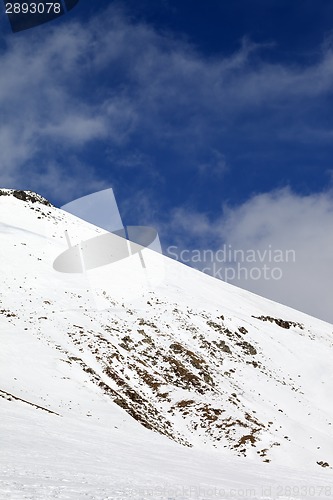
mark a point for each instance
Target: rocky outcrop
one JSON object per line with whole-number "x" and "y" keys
{"x": 27, "y": 196}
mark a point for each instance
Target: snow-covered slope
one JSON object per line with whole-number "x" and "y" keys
{"x": 183, "y": 382}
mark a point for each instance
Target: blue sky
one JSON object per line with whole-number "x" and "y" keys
{"x": 211, "y": 120}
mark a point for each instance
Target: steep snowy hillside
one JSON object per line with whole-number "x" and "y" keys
{"x": 97, "y": 366}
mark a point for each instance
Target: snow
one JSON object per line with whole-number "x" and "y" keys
{"x": 63, "y": 436}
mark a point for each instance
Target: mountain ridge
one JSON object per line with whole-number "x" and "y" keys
{"x": 197, "y": 360}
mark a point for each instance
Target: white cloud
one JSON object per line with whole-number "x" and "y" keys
{"x": 287, "y": 221}
{"x": 283, "y": 223}
{"x": 76, "y": 129}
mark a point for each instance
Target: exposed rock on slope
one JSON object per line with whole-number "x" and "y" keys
{"x": 25, "y": 196}
{"x": 195, "y": 359}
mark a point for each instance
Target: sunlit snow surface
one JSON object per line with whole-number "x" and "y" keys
{"x": 62, "y": 337}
